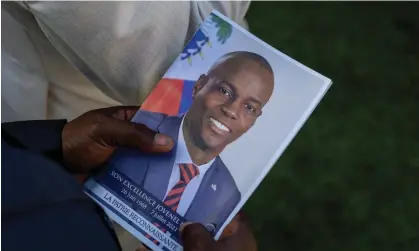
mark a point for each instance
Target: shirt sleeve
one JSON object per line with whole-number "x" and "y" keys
{"x": 38, "y": 136}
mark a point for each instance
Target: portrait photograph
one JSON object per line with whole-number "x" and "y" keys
{"x": 232, "y": 104}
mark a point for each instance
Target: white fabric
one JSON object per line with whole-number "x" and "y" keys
{"x": 96, "y": 54}
{"x": 23, "y": 81}
{"x": 182, "y": 156}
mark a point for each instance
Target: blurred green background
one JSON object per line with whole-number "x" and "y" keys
{"x": 350, "y": 179}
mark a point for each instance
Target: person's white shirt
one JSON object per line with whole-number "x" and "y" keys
{"x": 182, "y": 156}
{"x": 62, "y": 59}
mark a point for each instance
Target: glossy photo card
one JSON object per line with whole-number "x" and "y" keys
{"x": 232, "y": 104}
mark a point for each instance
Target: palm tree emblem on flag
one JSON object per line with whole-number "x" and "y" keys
{"x": 201, "y": 38}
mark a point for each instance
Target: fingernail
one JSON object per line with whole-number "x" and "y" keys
{"x": 160, "y": 139}
{"x": 184, "y": 225}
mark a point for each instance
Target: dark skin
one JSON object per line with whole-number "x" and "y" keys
{"x": 237, "y": 236}
{"x": 196, "y": 238}
{"x": 89, "y": 140}
{"x": 233, "y": 93}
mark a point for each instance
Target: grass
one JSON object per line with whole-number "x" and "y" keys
{"x": 350, "y": 179}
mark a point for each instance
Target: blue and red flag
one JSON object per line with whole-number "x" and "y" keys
{"x": 170, "y": 96}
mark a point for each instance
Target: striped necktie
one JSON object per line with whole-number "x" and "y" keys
{"x": 188, "y": 171}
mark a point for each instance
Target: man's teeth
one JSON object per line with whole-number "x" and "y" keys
{"x": 219, "y": 125}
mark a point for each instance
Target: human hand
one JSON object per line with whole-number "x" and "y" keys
{"x": 89, "y": 140}
{"x": 196, "y": 238}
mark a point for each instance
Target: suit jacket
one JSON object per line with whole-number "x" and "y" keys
{"x": 210, "y": 207}
{"x": 43, "y": 206}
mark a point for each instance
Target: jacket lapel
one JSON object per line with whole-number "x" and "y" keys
{"x": 160, "y": 166}
{"x": 202, "y": 208}
{"x": 170, "y": 126}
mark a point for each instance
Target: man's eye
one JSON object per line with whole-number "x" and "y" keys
{"x": 250, "y": 107}
{"x": 224, "y": 91}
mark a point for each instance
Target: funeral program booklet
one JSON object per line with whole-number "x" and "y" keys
{"x": 232, "y": 104}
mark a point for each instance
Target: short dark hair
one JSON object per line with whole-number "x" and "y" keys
{"x": 246, "y": 55}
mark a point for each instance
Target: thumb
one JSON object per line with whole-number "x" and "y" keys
{"x": 128, "y": 134}
{"x": 195, "y": 237}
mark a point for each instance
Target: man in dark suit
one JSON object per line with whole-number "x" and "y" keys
{"x": 192, "y": 179}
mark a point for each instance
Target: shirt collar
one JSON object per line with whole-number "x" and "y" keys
{"x": 182, "y": 154}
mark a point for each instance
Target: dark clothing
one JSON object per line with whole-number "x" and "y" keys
{"x": 43, "y": 206}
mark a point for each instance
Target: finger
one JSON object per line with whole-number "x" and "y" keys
{"x": 121, "y": 112}
{"x": 243, "y": 238}
{"x": 184, "y": 225}
{"x": 243, "y": 223}
{"x": 128, "y": 112}
{"x": 231, "y": 228}
{"x": 195, "y": 237}
{"x": 127, "y": 134}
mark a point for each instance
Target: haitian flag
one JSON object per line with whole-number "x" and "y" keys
{"x": 170, "y": 96}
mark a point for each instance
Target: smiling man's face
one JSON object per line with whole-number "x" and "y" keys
{"x": 227, "y": 102}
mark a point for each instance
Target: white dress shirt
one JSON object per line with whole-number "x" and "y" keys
{"x": 182, "y": 156}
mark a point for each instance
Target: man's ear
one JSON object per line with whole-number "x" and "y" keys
{"x": 199, "y": 84}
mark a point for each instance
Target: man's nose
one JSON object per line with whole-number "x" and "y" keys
{"x": 230, "y": 109}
